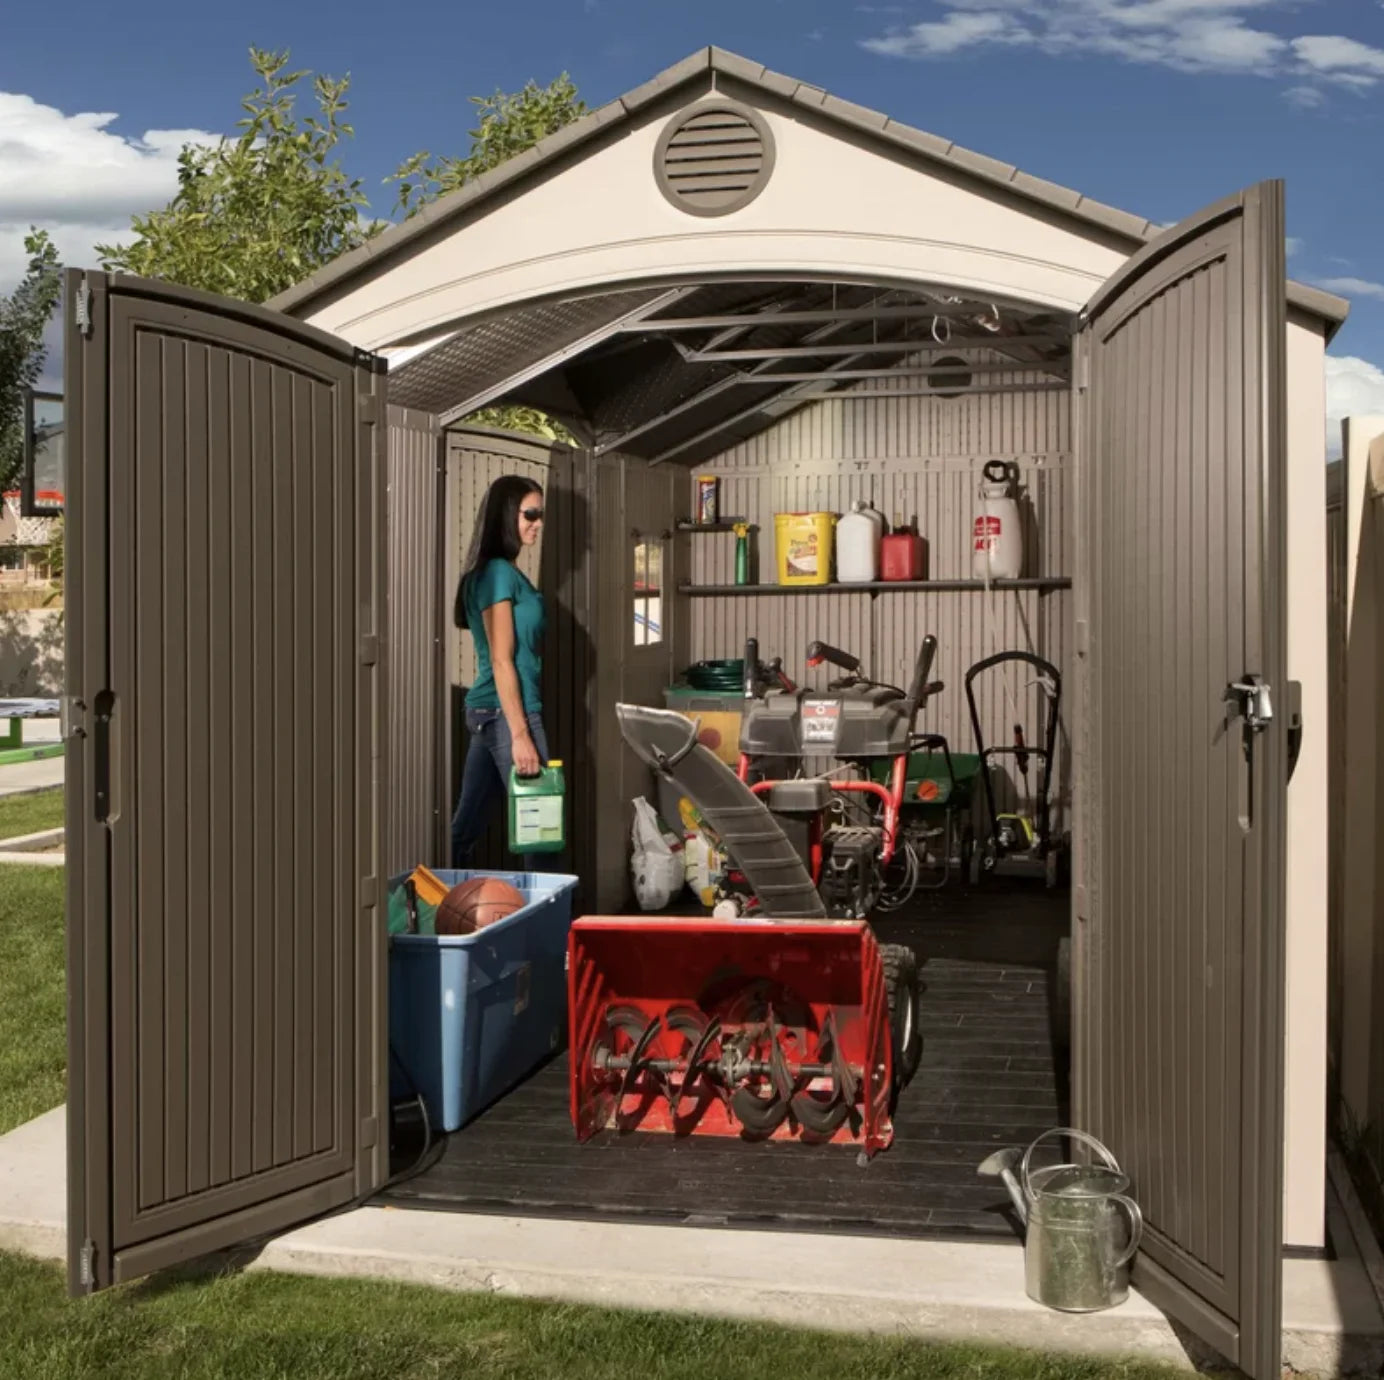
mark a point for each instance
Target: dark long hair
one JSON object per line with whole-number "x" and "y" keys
{"x": 496, "y": 535}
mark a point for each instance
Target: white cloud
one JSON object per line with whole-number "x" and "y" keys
{"x": 1188, "y": 35}
{"x": 72, "y": 176}
{"x": 1293, "y": 245}
{"x": 1306, "y": 97}
{"x": 1352, "y": 287}
{"x": 1354, "y": 388}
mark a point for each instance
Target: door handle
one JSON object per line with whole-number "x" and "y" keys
{"x": 1250, "y": 700}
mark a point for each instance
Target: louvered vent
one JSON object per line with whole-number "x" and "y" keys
{"x": 714, "y": 158}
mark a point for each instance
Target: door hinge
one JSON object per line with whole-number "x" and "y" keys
{"x": 369, "y": 1133}
{"x": 71, "y": 718}
{"x": 1083, "y": 369}
{"x": 369, "y": 649}
{"x": 1083, "y": 637}
{"x": 81, "y": 308}
{"x": 86, "y": 1265}
{"x": 368, "y": 409}
{"x": 369, "y": 892}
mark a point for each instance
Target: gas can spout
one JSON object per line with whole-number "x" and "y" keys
{"x": 1001, "y": 1164}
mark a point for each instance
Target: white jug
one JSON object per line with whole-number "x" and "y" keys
{"x": 997, "y": 540}
{"x": 858, "y": 538}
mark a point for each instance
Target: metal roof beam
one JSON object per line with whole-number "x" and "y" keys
{"x": 837, "y": 395}
{"x": 957, "y": 370}
{"x": 994, "y": 342}
{"x": 807, "y": 318}
{"x": 759, "y": 374}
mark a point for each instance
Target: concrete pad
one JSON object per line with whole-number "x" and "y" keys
{"x": 31, "y": 843}
{"x": 19, "y": 778}
{"x": 33, "y": 1187}
{"x": 934, "y": 1290}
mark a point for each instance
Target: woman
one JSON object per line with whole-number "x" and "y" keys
{"x": 505, "y": 615}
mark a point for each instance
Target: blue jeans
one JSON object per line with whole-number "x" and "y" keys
{"x": 485, "y": 780}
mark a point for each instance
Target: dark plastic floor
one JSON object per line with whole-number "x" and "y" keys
{"x": 988, "y": 1078}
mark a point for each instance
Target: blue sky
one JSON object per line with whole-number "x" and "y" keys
{"x": 1156, "y": 106}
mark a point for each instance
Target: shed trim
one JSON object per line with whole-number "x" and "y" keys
{"x": 1122, "y": 225}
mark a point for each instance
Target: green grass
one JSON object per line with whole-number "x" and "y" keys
{"x": 266, "y": 1325}
{"x": 27, "y": 814}
{"x": 33, "y": 1021}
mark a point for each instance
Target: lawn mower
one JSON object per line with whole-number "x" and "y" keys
{"x": 1016, "y": 843}
{"x": 780, "y": 1016}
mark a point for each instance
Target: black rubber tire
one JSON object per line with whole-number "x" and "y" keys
{"x": 1062, "y": 996}
{"x": 901, "y": 986}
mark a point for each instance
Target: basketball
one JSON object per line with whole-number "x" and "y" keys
{"x": 473, "y": 904}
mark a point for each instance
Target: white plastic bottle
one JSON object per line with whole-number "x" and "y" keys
{"x": 858, "y": 538}
{"x": 997, "y": 540}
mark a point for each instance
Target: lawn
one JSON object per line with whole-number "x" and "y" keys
{"x": 33, "y": 1038}
{"x": 266, "y": 1325}
{"x": 27, "y": 814}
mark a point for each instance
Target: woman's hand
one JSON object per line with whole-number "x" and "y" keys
{"x": 526, "y": 761}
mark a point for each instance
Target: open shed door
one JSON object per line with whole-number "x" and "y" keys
{"x": 225, "y": 540}
{"x": 1182, "y": 780}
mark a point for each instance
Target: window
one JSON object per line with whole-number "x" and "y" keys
{"x": 648, "y": 593}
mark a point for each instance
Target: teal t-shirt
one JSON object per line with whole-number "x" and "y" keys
{"x": 496, "y": 582}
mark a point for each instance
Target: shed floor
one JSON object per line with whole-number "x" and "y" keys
{"x": 988, "y": 1078}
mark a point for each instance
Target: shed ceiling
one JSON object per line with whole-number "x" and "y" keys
{"x": 683, "y": 372}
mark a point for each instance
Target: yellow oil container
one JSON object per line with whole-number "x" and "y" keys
{"x": 804, "y": 545}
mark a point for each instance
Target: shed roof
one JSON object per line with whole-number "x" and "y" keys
{"x": 1132, "y": 230}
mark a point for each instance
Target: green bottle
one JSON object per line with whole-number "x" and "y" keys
{"x": 536, "y": 811}
{"x": 742, "y": 552}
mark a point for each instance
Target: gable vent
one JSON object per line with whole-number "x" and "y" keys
{"x": 714, "y": 158}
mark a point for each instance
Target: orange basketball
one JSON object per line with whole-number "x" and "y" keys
{"x": 473, "y": 904}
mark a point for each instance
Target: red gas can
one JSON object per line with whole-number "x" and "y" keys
{"x": 903, "y": 556}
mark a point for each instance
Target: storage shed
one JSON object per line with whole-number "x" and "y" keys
{"x": 724, "y": 272}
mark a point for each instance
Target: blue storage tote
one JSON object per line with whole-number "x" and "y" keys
{"x": 471, "y": 1015}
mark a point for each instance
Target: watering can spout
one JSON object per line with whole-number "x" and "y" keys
{"x": 1001, "y": 1164}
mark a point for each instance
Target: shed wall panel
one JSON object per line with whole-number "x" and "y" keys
{"x": 414, "y": 665}
{"x": 918, "y": 460}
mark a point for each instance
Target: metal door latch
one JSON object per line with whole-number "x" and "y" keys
{"x": 1250, "y": 700}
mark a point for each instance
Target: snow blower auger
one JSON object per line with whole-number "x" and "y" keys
{"x": 783, "y": 1031}
{"x": 780, "y": 1015}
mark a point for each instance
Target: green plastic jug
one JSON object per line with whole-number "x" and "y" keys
{"x": 536, "y": 811}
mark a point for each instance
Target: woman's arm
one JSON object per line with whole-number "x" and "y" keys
{"x": 499, "y": 634}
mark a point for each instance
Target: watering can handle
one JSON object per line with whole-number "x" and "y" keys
{"x": 1072, "y": 1133}
{"x": 1136, "y": 1228}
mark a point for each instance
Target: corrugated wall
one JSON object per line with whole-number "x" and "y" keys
{"x": 918, "y": 460}
{"x": 415, "y": 667}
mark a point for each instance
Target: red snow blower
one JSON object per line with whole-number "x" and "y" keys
{"x": 781, "y": 1016}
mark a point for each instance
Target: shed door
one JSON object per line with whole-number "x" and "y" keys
{"x": 1180, "y": 896}
{"x": 225, "y": 570}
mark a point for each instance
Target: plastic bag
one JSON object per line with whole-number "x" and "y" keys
{"x": 656, "y": 865}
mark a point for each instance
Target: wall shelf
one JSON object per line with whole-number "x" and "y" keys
{"x": 1041, "y": 584}
{"x": 723, "y": 525}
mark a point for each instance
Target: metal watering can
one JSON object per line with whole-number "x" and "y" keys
{"x": 1077, "y": 1249}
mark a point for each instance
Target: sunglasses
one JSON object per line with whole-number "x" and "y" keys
{"x": 531, "y": 514}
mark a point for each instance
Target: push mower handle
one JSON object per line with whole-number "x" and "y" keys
{"x": 818, "y": 652}
{"x": 921, "y": 688}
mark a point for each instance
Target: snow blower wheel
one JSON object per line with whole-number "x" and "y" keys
{"x": 901, "y": 985}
